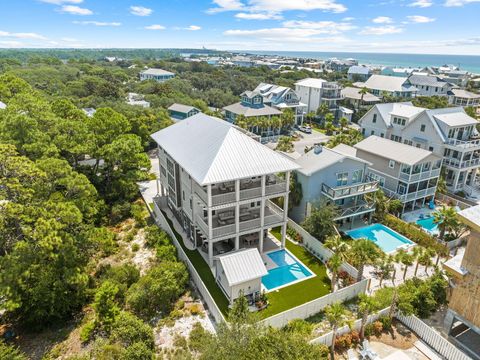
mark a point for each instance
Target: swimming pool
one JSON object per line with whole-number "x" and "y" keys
{"x": 387, "y": 239}
{"x": 429, "y": 225}
{"x": 288, "y": 270}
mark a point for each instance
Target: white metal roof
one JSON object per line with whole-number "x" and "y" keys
{"x": 465, "y": 94}
{"x": 458, "y": 118}
{"x": 249, "y": 111}
{"x": 389, "y": 83}
{"x": 311, "y": 82}
{"x": 242, "y": 266}
{"x": 393, "y": 150}
{"x": 212, "y": 150}
{"x": 354, "y": 93}
{"x": 471, "y": 217}
{"x": 153, "y": 71}
{"x": 181, "y": 108}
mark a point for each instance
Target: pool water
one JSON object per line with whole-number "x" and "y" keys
{"x": 429, "y": 225}
{"x": 287, "y": 271}
{"x": 387, "y": 239}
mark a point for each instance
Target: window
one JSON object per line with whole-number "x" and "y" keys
{"x": 163, "y": 171}
{"x": 396, "y": 138}
{"x": 430, "y": 148}
{"x": 363, "y": 131}
{"x": 391, "y": 164}
{"x": 422, "y": 128}
{"x": 357, "y": 176}
{"x": 375, "y": 177}
{"x": 372, "y": 132}
{"x": 374, "y": 120}
{"x": 382, "y": 135}
{"x": 342, "y": 179}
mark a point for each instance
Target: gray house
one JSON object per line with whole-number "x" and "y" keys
{"x": 449, "y": 133}
{"x": 181, "y": 112}
{"x": 404, "y": 172}
{"x": 335, "y": 176}
{"x": 428, "y": 85}
{"x": 158, "y": 75}
{"x": 381, "y": 85}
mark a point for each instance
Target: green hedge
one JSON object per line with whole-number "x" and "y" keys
{"x": 411, "y": 231}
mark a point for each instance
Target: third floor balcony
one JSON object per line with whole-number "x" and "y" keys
{"x": 462, "y": 145}
{"x": 341, "y": 192}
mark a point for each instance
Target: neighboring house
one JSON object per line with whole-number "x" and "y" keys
{"x": 89, "y": 111}
{"x": 457, "y": 77}
{"x": 404, "y": 172}
{"x": 359, "y": 73}
{"x": 334, "y": 176}
{"x": 240, "y": 273}
{"x": 181, "y": 112}
{"x": 399, "y": 72}
{"x": 353, "y": 97}
{"x": 380, "y": 85}
{"x": 315, "y": 92}
{"x": 462, "y": 321}
{"x": 218, "y": 183}
{"x": 460, "y": 97}
{"x": 242, "y": 61}
{"x": 340, "y": 65}
{"x": 428, "y": 85}
{"x": 3, "y": 106}
{"x": 281, "y": 98}
{"x": 135, "y": 99}
{"x": 449, "y": 133}
{"x": 158, "y": 75}
{"x": 251, "y": 105}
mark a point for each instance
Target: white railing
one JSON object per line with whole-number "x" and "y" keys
{"x": 411, "y": 196}
{"x": 465, "y": 144}
{"x": 433, "y": 338}
{"x": 202, "y": 289}
{"x": 362, "y": 208}
{"x": 277, "y": 188}
{"x": 250, "y": 193}
{"x": 461, "y": 164}
{"x": 349, "y": 190}
{"x": 249, "y": 224}
{"x": 327, "y": 338}
{"x": 420, "y": 176}
{"x": 315, "y": 306}
{"x": 202, "y": 225}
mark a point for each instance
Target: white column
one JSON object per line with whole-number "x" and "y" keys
{"x": 237, "y": 214}
{"x": 455, "y": 179}
{"x": 285, "y": 209}
{"x": 262, "y": 214}
{"x": 210, "y": 225}
{"x": 472, "y": 178}
{"x": 210, "y": 253}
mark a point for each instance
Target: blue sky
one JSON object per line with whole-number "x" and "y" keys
{"x": 397, "y": 26}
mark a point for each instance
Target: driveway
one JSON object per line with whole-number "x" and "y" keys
{"x": 309, "y": 140}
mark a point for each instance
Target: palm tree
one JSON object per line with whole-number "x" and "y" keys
{"x": 363, "y": 91}
{"x": 406, "y": 259}
{"x": 364, "y": 252}
{"x": 343, "y": 123}
{"x": 426, "y": 258}
{"x": 323, "y": 110}
{"x": 446, "y": 219}
{"x": 385, "y": 267}
{"x": 418, "y": 252}
{"x": 241, "y": 121}
{"x": 288, "y": 118}
{"x": 334, "y": 264}
{"x": 336, "y": 244}
{"x": 366, "y": 306}
{"x": 337, "y": 316}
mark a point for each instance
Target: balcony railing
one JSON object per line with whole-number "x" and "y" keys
{"x": 456, "y": 163}
{"x": 420, "y": 176}
{"x": 464, "y": 144}
{"x": 341, "y": 192}
{"x": 358, "y": 209}
{"x": 272, "y": 216}
{"x": 413, "y": 195}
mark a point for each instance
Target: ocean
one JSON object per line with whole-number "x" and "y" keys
{"x": 470, "y": 63}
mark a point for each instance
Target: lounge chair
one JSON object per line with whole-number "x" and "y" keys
{"x": 367, "y": 352}
{"x": 352, "y": 355}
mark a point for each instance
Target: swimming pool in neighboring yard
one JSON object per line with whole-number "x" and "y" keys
{"x": 387, "y": 239}
{"x": 287, "y": 270}
{"x": 429, "y": 225}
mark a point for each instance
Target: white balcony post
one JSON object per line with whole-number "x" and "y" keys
{"x": 285, "y": 210}
{"x": 210, "y": 252}
{"x": 237, "y": 214}
{"x": 262, "y": 214}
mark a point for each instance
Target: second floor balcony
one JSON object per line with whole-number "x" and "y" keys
{"x": 462, "y": 164}
{"x": 225, "y": 193}
{"x": 224, "y": 221}
{"x": 341, "y": 192}
{"x": 461, "y": 145}
{"x": 429, "y": 191}
{"x": 421, "y": 175}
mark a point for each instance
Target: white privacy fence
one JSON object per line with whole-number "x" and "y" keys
{"x": 433, "y": 338}
{"x": 327, "y": 338}
{"x": 316, "y": 248}
{"x": 315, "y": 306}
{"x": 207, "y": 297}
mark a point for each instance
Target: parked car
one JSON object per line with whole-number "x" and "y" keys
{"x": 306, "y": 129}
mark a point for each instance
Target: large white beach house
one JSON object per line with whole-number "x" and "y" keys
{"x": 218, "y": 183}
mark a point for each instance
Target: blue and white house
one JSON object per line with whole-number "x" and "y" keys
{"x": 158, "y": 75}
{"x": 359, "y": 73}
{"x": 251, "y": 105}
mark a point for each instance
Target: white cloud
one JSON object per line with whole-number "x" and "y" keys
{"x": 140, "y": 11}
{"x": 419, "y": 19}
{"x": 321, "y": 27}
{"x": 193, "y": 28}
{"x": 97, "y": 23}
{"x": 155, "y": 27}
{"x": 22, "y": 35}
{"x": 60, "y": 2}
{"x": 450, "y": 3}
{"x": 75, "y": 10}
{"x": 258, "y": 16}
{"x": 277, "y": 6}
{"x": 348, "y": 18}
{"x": 383, "y": 20}
{"x": 381, "y": 30}
{"x": 10, "y": 43}
{"x": 421, "y": 3}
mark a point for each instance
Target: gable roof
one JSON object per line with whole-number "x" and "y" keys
{"x": 241, "y": 266}
{"x": 427, "y": 80}
{"x": 354, "y": 93}
{"x": 212, "y": 150}
{"x": 311, "y": 82}
{"x": 153, "y": 71}
{"x": 458, "y": 118}
{"x": 181, "y": 108}
{"x": 314, "y": 161}
{"x": 389, "y": 83}
{"x": 405, "y": 109}
{"x": 392, "y": 150}
{"x": 240, "y": 109}
{"x": 465, "y": 94}
{"x": 359, "y": 69}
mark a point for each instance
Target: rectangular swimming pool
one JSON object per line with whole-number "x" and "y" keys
{"x": 429, "y": 225}
{"x": 387, "y": 239}
{"x": 288, "y": 270}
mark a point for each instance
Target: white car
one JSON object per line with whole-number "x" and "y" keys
{"x": 306, "y": 129}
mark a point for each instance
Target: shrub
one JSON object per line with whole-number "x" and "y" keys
{"x": 154, "y": 236}
{"x": 294, "y": 235}
{"x": 347, "y": 341}
{"x": 374, "y": 329}
{"x": 119, "y": 212}
{"x": 299, "y": 326}
{"x": 138, "y": 212}
{"x": 138, "y": 351}
{"x": 386, "y": 322}
{"x": 135, "y": 247}
{"x": 166, "y": 253}
{"x": 86, "y": 332}
{"x": 105, "y": 304}
{"x": 195, "y": 309}
{"x": 8, "y": 352}
{"x": 198, "y": 337}
{"x": 128, "y": 330}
